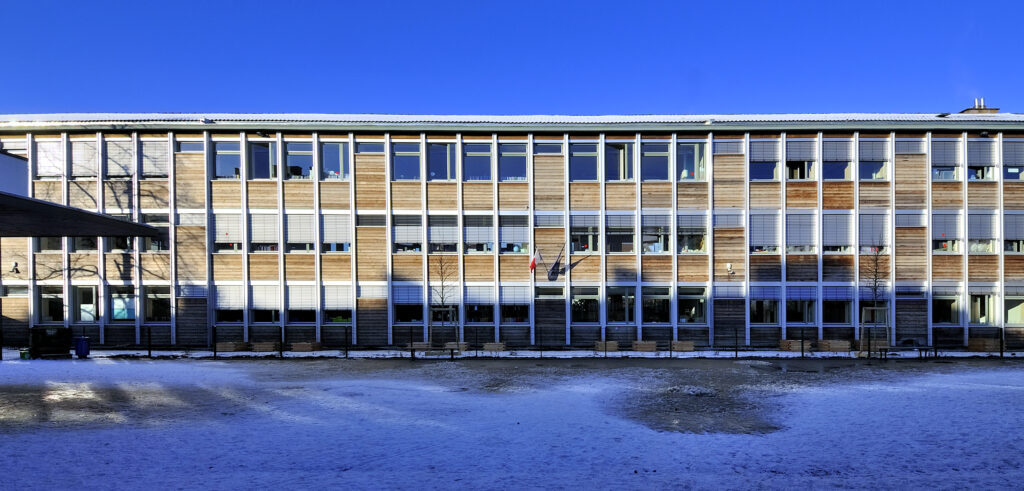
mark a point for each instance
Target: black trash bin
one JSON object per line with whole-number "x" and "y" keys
{"x": 82, "y": 346}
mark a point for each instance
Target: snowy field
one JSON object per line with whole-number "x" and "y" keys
{"x": 511, "y": 424}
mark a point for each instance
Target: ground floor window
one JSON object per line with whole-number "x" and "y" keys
{"x": 51, "y": 304}
{"x": 621, "y": 300}
{"x": 158, "y": 303}
{"x": 869, "y": 313}
{"x": 981, "y": 309}
{"x": 444, "y": 314}
{"x": 764, "y": 311}
{"x": 800, "y": 311}
{"x": 515, "y": 314}
{"x": 690, "y": 304}
{"x": 945, "y": 310}
{"x": 301, "y": 315}
{"x": 585, "y": 304}
{"x": 1014, "y": 310}
{"x": 122, "y": 303}
{"x": 85, "y": 303}
{"x": 656, "y": 306}
{"x": 265, "y": 315}
{"x": 338, "y": 316}
{"x": 408, "y": 312}
{"x": 479, "y": 313}
{"x": 835, "y": 311}
{"x": 228, "y": 315}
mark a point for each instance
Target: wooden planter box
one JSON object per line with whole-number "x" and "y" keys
{"x": 306, "y": 347}
{"x": 603, "y": 346}
{"x": 833, "y": 345}
{"x": 266, "y": 346}
{"x": 232, "y": 346}
{"x": 682, "y": 345}
{"x": 494, "y": 346}
{"x": 645, "y": 346}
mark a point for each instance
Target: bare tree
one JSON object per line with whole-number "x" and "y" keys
{"x": 877, "y": 273}
{"x": 445, "y": 273}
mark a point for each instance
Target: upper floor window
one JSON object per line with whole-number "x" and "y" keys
{"x": 836, "y": 156}
{"x": 874, "y": 159}
{"x": 690, "y": 161}
{"x": 946, "y": 160}
{"x": 189, "y": 147}
{"x": 620, "y": 233}
{"x": 119, "y": 158}
{"x": 512, "y": 161}
{"x": 154, "y": 159}
{"x": 654, "y": 233}
{"x": 476, "y": 162}
{"x": 800, "y": 159}
{"x": 584, "y": 233}
{"x": 764, "y": 160}
{"x": 83, "y": 159}
{"x": 49, "y": 157}
{"x": 334, "y": 161}
{"x": 513, "y": 233}
{"x": 407, "y": 233}
{"x": 547, "y": 148}
{"x": 618, "y": 161}
{"x": 981, "y": 160}
{"x": 443, "y": 233}
{"x": 583, "y": 162}
{"x": 369, "y": 147}
{"x": 479, "y": 233}
{"x": 227, "y": 160}
{"x": 654, "y": 161}
{"x": 692, "y": 233}
{"x": 405, "y": 161}
{"x": 262, "y": 160}
{"x": 298, "y": 159}
{"x": 441, "y": 161}
{"x": 764, "y": 234}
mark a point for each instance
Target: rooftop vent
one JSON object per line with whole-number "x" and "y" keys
{"x": 979, "y": 108}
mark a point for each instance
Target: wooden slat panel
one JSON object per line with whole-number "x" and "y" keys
{"x": 190, "y": 252}
{"x": 656, "y": 195}
{"x": 299, "y": 267}
{"x": 83, "y": 265}
{"x": 729, "y": 167}
{"x": 369, "y": 182}
{"x": 549, "y": 182}
{"x": 336, "y": 267}
{"x": 584, "y": 195}
{"x": 837, "y": 195}
{"x": 227, "y": 267}
{"x": 692, "y": 196}
{"x": 48, "y": 266}
{"x": 82, "y": 194}
{"x": 802, "y": 195}
{"x": 263, "y": 267}
{"x": 983, "y": 267}
{"x": 765, "y": 195}
{"x": 442, "y": 266}
{"x": 656, "y": 267}
{"x": 912, "y": 322}
{"x": 692, "y": 267}
{"x": 155, "y": 266}
{"x": 191, "y": 322}
{"x": 837, "y": 268}
{"x": 226, "y": 194}
{"x": 620, "y": 196}
{"x": 982, "y": 195}
{"x": 765, "y": 268}
{"x": 478, "y": 267}
{"x": 874, "y": 195}
{"x": 48, "y": 191}
{"x": 513, "y": 196}
{"x": 728, "y": 194}
{"x": 730, "y": 320}
{"x": 406, "y": 196}
{"x": 118, "y": 194}
{"x": 911, "y": 250}
{"x": 407, "y": 267}
{"x": 119, "y": 266}
{"x": 514, "y": 267}
{"x": 1013, "y": 263}
{"x": 729, "y": 248}
{"x": 262, "y": 194}
{"x": 15, "y": 315}
{"x": 620, "y": 267}
{"x": 442, "y": 196}
{"x": 947, "y": 195}
{"x": 477, "y": 196}
{"x": 867, "y": 266}
{"x": 586, "y": 267}
{"x": 371, "y": 262}
{"x": 911, "y": 181}
{"x": 371, "y": 321}
{"x": 298, "y": 194}
{"x": 334, "y": 195}
{"x": 801, "y": 267}
{"x": 189, "y": 180}
{"x": 947, "y": 266}
{"x": 153, "y": 194}
{"x": 1013, "y": 195}
{"x": 550, "y": 242}
{"x": 14, "y": 250}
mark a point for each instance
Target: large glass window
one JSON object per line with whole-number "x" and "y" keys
{"x": 476, "y": 161}
{"x": 229, "y": 303}
{"x": 49, "y": 244}
{"x": 1013, "y": 173}
{"x": 654, "y": 233}
{"x": 618, "y": 161}
{"x": 690, "y": 161}
{"x": 479, "y": 313}
{"x": 441, "y": 161}
{"x": 262, "y": 160}
{"x": 83, "y": 159}
{"x": 764, "y": 171}
{"x": 479, "y": 232}
{"x": 981, "y": 309}
{"x": 515, "y": 313}
{"x": 547, "y": 148}
{"x": 946, "y": 233}
{"x": 583, "y": 162}
{"x": 619, "y": 232}
{"x": 263, "y": 233}
{"x": 300, "y": 232}
{"x": 869, "y": 313}
{"x": 407, "y": 233}
{"x": 512, "y": 161}
{"x": 621, "y": 304}
{"x": 369, "y": 147}
{"x": 1014, "y": 308}
{"x": 764, "y": 311}
{"x": 837, "y": 236}
{"x": 764, "y": 234}
{"x": 443, "y": 233}
{"x": 334, "y": 162}
{"x": 945, "y": 309}
{"x": 585, "y": 304}
{"x": 800, "y": 311}
{"x": 836, "y": 171}
{"x": 122, "y": 303}
{"x": 690, "y": 304}
{"x": 83, "y": 244}
{"x": 692, "y": 233}
{"x": 157, "y": 304}
{"x": 266, "y": 304}
{"x": 800, "y": 234}
{"x": 584, "y": 233}
{"x": 162, "y": 242}
{"x": 298, "y": 159}
{"x": 872, "y": 171}
{"x": 85, "y": 303}
{"x": 799, "y": 170}
{"x": 656, "y": 306}
{"x": 654, "y": 161}
{"x": 514, "y": 234}
{"x": 405, "y": 161}
{"x": 874, "y": 234}
{"x": 835, "y": 311}
{"x": 51, "y": 304}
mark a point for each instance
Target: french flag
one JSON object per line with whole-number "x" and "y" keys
{"x": 533, "y": 262}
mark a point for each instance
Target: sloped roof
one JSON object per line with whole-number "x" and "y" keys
{"x": 27, "y": 217}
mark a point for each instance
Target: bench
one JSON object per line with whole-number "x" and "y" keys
{"x": 418, "y": 346}
{"x": 460, "y": 347}
{"x": 834, "y": 345}
{"x": 494, "y": 346}
{"x": 682, "y": 346}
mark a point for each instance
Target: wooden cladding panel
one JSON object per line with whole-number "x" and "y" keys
{"x": 729, "y": 167}
{"x": 334, "y": 195}
{"x": 371, "y": 250}
{"x": 692, "y": 196}
{"x": 911, "y": 181}
{"x": 478, "y": 267}
{"x": 728, "y": 193}
{"x": 407, "y": 267}
{"x": 874, "y": 195}
{"x": 119, "y": 266}
{"x": 656, "y": 195}
{"x": 48, "y": 191}
{"x": 1013, "y": 263}
{"x": 802, "y": 267}
{"x": 227, "y": 267}
{"x": 190, "y": 253}
{"x": 263, "y": 266}
{"x": 549, "y": 182}
{"x": 911, "y": 250}
{"x": 765, "y": 195}
{"x": 620, "y": 196}
{"x": 513, "y": 196}
{"x": 299, "y": 267}
{"x": 49, "y": 266}
{"x": 371, "y": 321}
{"x": 550, "y": 243}
{"x": 1013, "y": 195}
{"x": 947, "y": 195}
{"x": 620, "y": 267}
{"x": 729, "y": 248}
{"x": 298, "y": 194}
{"x": 84, "y": 266}
{"x": 837, "y": 268}
{"x": 118, "y": 194}
{"x": 947, "y": 266}
{"x": 82, "y": 194}
{"x": 14, "y": 250}
{"x": 655, "y": 267}
{"x": 868, "y": 269}
{"x": 226, "y": 194}
{"x": 983, "y": 267}
{"x": 982, "y": 195}
{"x": 15, "y": 316}
{"x": 189, "y": 180}
{"x": 442, "y": 196}
{"x": 336, "y": 267}
{"x": 155, "y": 266}
{"x": 802, "y": 195}
{"x": 153, "y": 194}
{"x": 585, "y": 267}
{"x": 837, "y": 195}
{"x": 692, "y": 267}
{"x": 514, "y": 267}
{"x": 369, "y": 175}
{"x": 443, "y": 268}
{"x": 477, "y": 196}
{"x": 767, "y": 267}
{"x": 406, "y": 196}
{"x": 262, "y": 194}
{"x": 584, "y": 196}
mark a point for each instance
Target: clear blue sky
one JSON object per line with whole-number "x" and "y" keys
{"x": 511, "y": 57}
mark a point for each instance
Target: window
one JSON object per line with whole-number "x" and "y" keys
{"x": 945, "y": 306}
{"x": 585, "y": 304}
{"x": 336, "y": 233}
{"x": 85, "y": 303}
{"x": 51, "y": 304}
{"x": 299, "y": 233}
{"x": 620, "y": 233}
{"x": 874, "y": 234}
{"x": 1013, "y": 233}
{"x": 945, "y": 173}
{"x": 800, "y": 233}
{"x": 800, "y": 304}
{"x": 119, "y": 244}
{"x": 334, "y": 162}
{"x": 369, "y": 147}
{"x": 763, "y": 171}
{"x": 654, "y": 161}
{"x": 945, "y": 160}
{"x": 227, "y": 160}
{"x": 338, "y": 304}
{"x": 656, "y": 306}
{"x": 441, "y": 161}
{"x": 981, "y": 233}
{"x": 690, "y": 161}
{"x": 157, "y": 304}
{"x": 837, "y": 235}
{"x": 621, "y": 301}
{"x": 298, "y": 160}
{"x": 479, "y": 230}
{"x": 981, "y": 173}
{"x": 443, "y": 233}
{"x": 583, "y": 162}
{"x": 874, "y": 155}
{"x": 874, "y": 305}
{"x": 83, "y": 159}
{"x": 405, "y": 161}
{"x": 654, "y": 233}
{"x": 764, "y": 311}
{"x": 764, "y": 234}
{"x": 549, "y": 292}
{"x": 227, "y": 232}
{"x": 513, "y": 234}
{"x": 407, "y": 233}
{"x": 618, "y": 161}
{"x": 691, "y": 304}
{"x": 479, "y": 304}
{"x": 120, "y": 158}
{"x": 262, "y": 160}
{"x": 476, "y": 161}
{"x": 547, "y": 148}
{"x": 799, "y": 171}
{"x": 872, "y": 171}
{"x": 443, "y": 309}
{"x": 189, "y": 147}
{"x": 981, "y": 160}
{"x": 512, "y": 162}
{"x": 266, "y": 304}
{"x": 515, "y": 304}
{"x": 301, "y": 304}
{"x": 408, "y": 303}
{"x": 836, "y": 171}
{"x": 511, "y": 314}
{"x": 122, "y": 303}
{"x": 370, "y": 220}
{"x": 692, "y": 233}
{"x": 230, "y": 300}
{"x": 162, "y": 242}
{"x": 83, "y": 244}
{"x": 584, "y": 233}
{"x": 800, "y": 158}
{"x": 263, "y": 233}
{"x": 836, "y": 156}
{"x": 946, "y": 233}
{"x": 49, "y": 244}
{"x": 835, "y": 304}
{"x": 1014, "y": 306}
{"x": 981, "y": 309}
{"x": 764, "y": 159}
{"x": 154, "y": 159}
{"x": 49, "y": 157}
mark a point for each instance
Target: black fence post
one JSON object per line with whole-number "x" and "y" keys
{"x": 412, "y": 351}
{"x": 347, "y": 340}
{"x": 735, "y": 342}
{"x": 149, "y": 340}
{"x": 801, "y": 341}
{"x": 280, "y": 342}
{"x": 214, "y": 340}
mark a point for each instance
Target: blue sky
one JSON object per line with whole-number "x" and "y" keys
{"x": 510, "y": 57}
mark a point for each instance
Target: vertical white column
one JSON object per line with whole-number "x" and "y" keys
{"x": 999, "y": 304}
{"x": 819, "y": 234}
{"x": 172, "y": 222}
{"x": 637, "y": 217}
{"x": 243, "y": 174}
{"x": 282, "y": 297}
{"x": 460, "y": 245}
{"x": 136, "y": 242}
{"x": 388, "y": 248}
{"x": 30, "y": 153}
{"x": 965, "y": 240}
{"x": 101, "y": 266}
{"x": 353, "y": 290}
{"x": 533, "y": 236}
{"x": 783, "y": 178}
{"x": 746, "y": 236}
{"x": 673, "y": 228}
{"x": 496, "y": 316}
{"x": 425, "y": 230}
{"x": 315, "y": 175}
{"x": 928, "y": 232}
{"x": 602, "y": 248}
{"x": 69, "y": 302}
{"x": 709, "y": 303}
{"x": 211, "y": 300}
{"x": 567, "y": 302}
{"x": 891, "y": 313}
{"x": 855, "y": 311}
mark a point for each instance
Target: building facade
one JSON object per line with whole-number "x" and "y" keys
{"x": 374, "y": 230}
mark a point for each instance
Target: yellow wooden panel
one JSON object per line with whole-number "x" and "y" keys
{"x": 478, "y": 267}
{"x": 730, "y": 248}
{"x": 837, "y": 195}
{"x": 549, "y": 182}
{"x": 441, "y": 196}
{"x": 947, "y": 195}
{"x": 82, "y": 194}
{"x": 801, "y": 194}
{"x": 620, "y": 267}
{"x": 514, "y": 267}
{"x": 656, "y": 195}
{"x": 299, "y": 267}
{"x": 947, "y": 266}
{"x": 153, "y": 194}
{"x": 334, "y": 195}
{"x": 119, "y": 266}
{"x": 443, "y": 268}
{"x": 406, "y": 196}
{"x": 83, "y": 266}
{"x": 190, "y": 180}
{"x": 477, "y": 196}
{"x": 982, "y": 195}
{"x": 585, "y": 267}
{"x": 692, "y": 267}
{"x": 118, "y": 194}
{"x": 155, "y": 266}
{"x": 369, "y": 177}
{"x": 336, "y": 267}
{"x": 620, "y": 196}
{"x": 513, "y": 196}
{"x": 371, "y": 261}
{"x": 227, "y": 267}
{"x": 656, "y": 267}
{"x": 262, "y": 194}
{"x": 190, "y": 252}
{"x": 14, "y": 250}
{"x": 226, "y": 194}
{"x": 584, "y": 196}
{"x": 911, "y": 181}
{"x": 765, "y": 195}
{"x": 692, "y": 196}
{"x": 983, "y": 267}
{"x": 298, "y": 194}
{"x": 263, "y": 266}
{"x": 874, "y": 195}
{"x": 911, "y": 254}
{"x": 407, "y": 267}
{"x": 49, "y": 266}
{"x": 48, "y": 191}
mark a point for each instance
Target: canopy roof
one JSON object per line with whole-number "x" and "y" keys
{"x": 27, "y": 217}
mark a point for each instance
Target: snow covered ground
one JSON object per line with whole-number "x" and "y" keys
{"x": 510, "y": 424}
